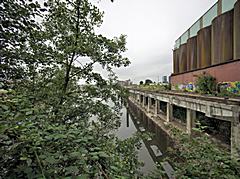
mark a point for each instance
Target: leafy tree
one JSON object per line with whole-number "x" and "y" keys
{"x": 51, "y": 126}
{"x": 141, "y": 83}
{"x": 148, "y": 81}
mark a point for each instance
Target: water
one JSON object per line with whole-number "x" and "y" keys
{"x": 154, "y": 149}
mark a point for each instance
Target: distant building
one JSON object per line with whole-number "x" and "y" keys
{"x": 211, "y": 45}
{"x": 164, "y": 79}
{"x": 125, "y": 83}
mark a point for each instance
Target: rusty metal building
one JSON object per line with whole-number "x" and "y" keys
{"x": 211, "y": 45}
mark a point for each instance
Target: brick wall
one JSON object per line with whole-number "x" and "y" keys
{"x": 223, "y": 73}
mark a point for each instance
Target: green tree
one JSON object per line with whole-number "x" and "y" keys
{"x": 18, "y": 34}
{"x": 148, "y": 81}
{"x": 51, "y": 126}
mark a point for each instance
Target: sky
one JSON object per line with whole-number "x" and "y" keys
{"x": 151, "y": 26}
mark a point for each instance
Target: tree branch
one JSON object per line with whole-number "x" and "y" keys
{"x": 69, "y": 66}
{"x": 90, "y": 64}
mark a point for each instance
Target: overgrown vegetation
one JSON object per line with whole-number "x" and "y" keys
{"x": 155, "y": 87}
{"x": 206, "y": 84}
{"x": 47, "y": 128}
{"x": 199, "y": 157}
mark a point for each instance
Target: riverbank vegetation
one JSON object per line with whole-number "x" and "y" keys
{"x": 198, "y": 157}
{"x": 51, "y": 125}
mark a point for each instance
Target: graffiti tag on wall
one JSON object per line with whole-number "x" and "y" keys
{"x": 231, "y": 87}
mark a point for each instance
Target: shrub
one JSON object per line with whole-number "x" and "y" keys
{"x": 206, "y": 84}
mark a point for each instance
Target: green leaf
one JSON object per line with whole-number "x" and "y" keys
{"x": 4, "y": 107}
{"x": 51, "y": 160}
{"x": 114, "y": 168}
{"x": 71, "y": 170}
{"x": 83, "y": 177}
{"x": 75, "y": 154}
{"x": 103, "y": 155}
{"x": 29, "y": 112}
{"x": 2, "y": 91}
{"x": 23, "y": 158}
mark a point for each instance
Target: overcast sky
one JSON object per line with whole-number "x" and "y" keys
{"x": 151, "y": 26}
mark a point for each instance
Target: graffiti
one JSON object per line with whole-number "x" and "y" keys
{"x": 190, "y": 87}
{"x": 230, "y": 87}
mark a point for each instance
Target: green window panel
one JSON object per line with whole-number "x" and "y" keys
{"x": 194, "y": 29}
{"x": 210, "y": 15}
{"x": 227, "y": 5}
{"x": 184, "y": 38}
{"x": 177, "y": 44}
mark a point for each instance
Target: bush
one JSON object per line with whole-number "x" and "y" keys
{"x": 201, "y": 158}
{"x": 198, "y": 157}
{"x": 206, "y": 84}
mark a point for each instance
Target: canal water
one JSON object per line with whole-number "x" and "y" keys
{"x": 153, "y": 149}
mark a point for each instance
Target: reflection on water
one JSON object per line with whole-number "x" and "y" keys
{"x": 152, "y": 150}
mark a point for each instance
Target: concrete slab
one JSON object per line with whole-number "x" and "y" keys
{"x": 156, "y": 150}
{"x": 168, "y": 169}
{"x": 142, "y": 129}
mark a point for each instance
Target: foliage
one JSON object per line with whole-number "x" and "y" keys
{"x": 206, "y": 84}
{"x": 155, "y": 87}
{"x": 17, "y": 28}
{"x": 176, "y": 87}
{"x": 141, "y": 83}
{"x": 168, "y": 86}
{"x": 51, "y": 126}
{"x": 34, "y": 146}
{"x": 148, "y": 81}
{"x": 159, "y": 172}
{"x": 199, "y": 157}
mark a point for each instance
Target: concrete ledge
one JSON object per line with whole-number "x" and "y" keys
{"x": 212, "y": 107}
{"x": 226, "y": 110}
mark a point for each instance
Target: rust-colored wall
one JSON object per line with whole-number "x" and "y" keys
{"x": 204, "y": 47}
{"x": 223, "y": 73}
{"x": 237, "y": 30}
{"x": 222, "y": 38}
{"x": 182, "y": 58}
{"x": 175, "y": 61}
{"x": 192, "y": 53}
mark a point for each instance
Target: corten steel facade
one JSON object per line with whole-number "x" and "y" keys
{"x": 211, "y": 45}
